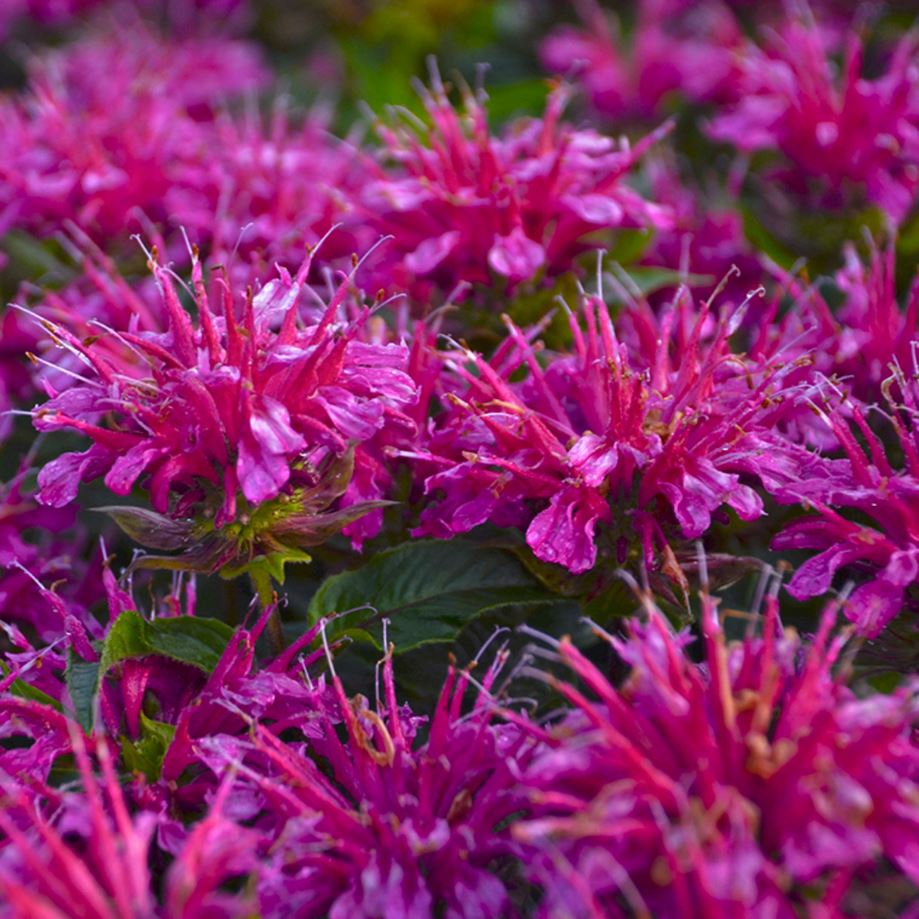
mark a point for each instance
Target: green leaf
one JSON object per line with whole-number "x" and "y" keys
{"x": 629, "y": 245}
{"x": 146, "y": 754}
{"x": 33, "y": 694}
{"x": 126, "y": 638}
{"x": 270, "y": 565}
{"x": 529, "y": 306}
{"x": 82, "y": 680}
{"x": 885, "y": 682}
{"x": 615, "y": 600}
{"x": 522, "y": 97}
{"x": 193, "y": 640}
{"x": 37, "y": 259}
{"x": 189, "y": 639}
{"x": 428, "y": 590}
{"x": 764, "y": 240}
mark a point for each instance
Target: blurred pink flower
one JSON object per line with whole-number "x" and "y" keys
{"x": 853, "y": 135}
{"x": 253, "y": 191}
{"x": 107, "y": 121}
{"x": 674, "y": 49}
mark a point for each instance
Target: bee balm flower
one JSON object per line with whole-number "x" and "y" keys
{"x": 244, "y": 425}
{"x": 613, "y": 442}
{"x": 464, "y": 205}
{"x": 755, "y": 784}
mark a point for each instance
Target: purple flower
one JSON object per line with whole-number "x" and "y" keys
{"x": 105, "y": 874}
{"x": 882, "y": 544}
{"x": 43, "y": 11}
{"x": 847, "y": 132}
{"x": 620, "y": 443}
{"x": 674, "y": 48}
{"x": 754, "y": 784}
{"x": 364, "y": 819}
{"x": 707, "y": 237}
{"x": 465, "y": 205}
{"x": 850, "y": 348}
{"x": 157, "y": 709}
{"x": 245, "y": 427}
{"x": 857, "y": 343}
{"x": 255, "y": 191}
{"x": 88, "y": 855}
{"x": 108, "y": 123}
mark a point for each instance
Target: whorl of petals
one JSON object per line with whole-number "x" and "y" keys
{"x": 465, "y": 205}
{"x": 247, "y": 403}
{"x": 747, "y": 785}
{"x": 622, "y": 438}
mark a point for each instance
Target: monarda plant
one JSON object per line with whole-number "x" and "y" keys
{"x": 243, "y": 426}
{"x": 535, "y": 445}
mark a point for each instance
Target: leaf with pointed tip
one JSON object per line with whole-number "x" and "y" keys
{"x": 428, "y": 590}
{"x": 151, "y": 530}
{"x": 650, "y": 279}
{"x": 309, "y": 530}
{"x": 25, "y": 690}
{"x": 192, "y": 640}
{"x": 82, "y": 679}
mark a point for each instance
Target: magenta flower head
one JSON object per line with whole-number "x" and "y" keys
{"x": 619, "y": 446}
{"x": 176, "y": 692}
{"x": 243, "y": 427}
{"x": 265, "y": 187}
{"x": 157, "y": 685}
{"x": 674, "y": 49}
{"x": 880, "y": 547}
{"x": 754, "y": 784}
{"x": 86, "y": 854}
{"x": 465, "y": 205}
{"x": 108, "y": 123}
{"x": 858, "y": 138}
{"x": 367, "y": 820}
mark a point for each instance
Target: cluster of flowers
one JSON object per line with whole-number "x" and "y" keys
{"x": 755, "y": 782}
{"x": 248, "y": 405}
